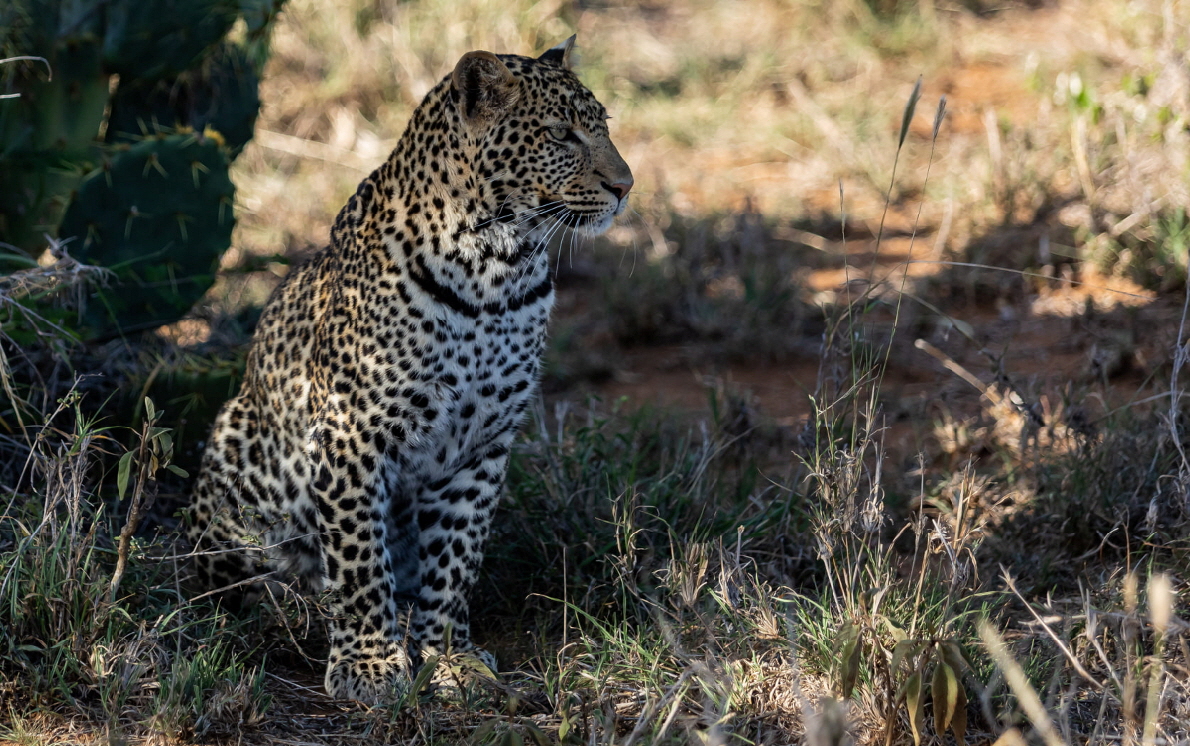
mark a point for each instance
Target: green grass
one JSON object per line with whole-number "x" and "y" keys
{"x": 79, "y": 647}
{"x": 646, "y": 593}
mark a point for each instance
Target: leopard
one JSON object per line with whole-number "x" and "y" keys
{"x": 389, "y": 374}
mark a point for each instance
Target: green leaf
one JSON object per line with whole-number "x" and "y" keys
{"x": 485, "y": 730}
{"x": 564, "y": 726}
{"x": 422, "y": 679}
{"x": 848, "y": 659}
{"x": 178, "y": 470}
{"x": 122, "y": 474}
{"x": 473, "y": 663}
{"x": 150, "y": 410}
{"x": 915, "y": 705}
{"x": 944, "y": 691}
{"x": 898, "y": 634}
{"x": 953, "y": 655}
{"x": 538, "y": 734}
{"x": 877, "y": 599}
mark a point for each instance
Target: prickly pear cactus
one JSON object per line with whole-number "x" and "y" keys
{"x": 46, "y": 133}
{"x": 220, "y": 94}
{"x": 180, "y": 72}
{"x": 159, "y": 213}
{"x": 154, "y": 39}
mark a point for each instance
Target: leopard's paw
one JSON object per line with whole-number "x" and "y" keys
{"x": 369, "y": 678}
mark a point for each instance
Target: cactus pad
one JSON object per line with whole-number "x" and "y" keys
{"x": 158, "y": 213}
{"x": 220, "y": 94}
{"x": 152, "y": 39}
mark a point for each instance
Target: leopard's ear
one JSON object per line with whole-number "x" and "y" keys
{"x": 484, "y": 85}
{"x": 559, "y": 55}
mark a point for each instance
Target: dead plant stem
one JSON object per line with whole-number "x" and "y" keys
{"x": 134, "y": 512}
{"x": 1180, "y": 356}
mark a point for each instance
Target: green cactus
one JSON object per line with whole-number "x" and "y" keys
{"x": 159, "y": 213}
{"x": 153, "y": 39}
{"x": 46, "y": 135}
{"x": 179, "y": 73}
{"x": 150, "y": 199}
{"x": 220, "y": 94}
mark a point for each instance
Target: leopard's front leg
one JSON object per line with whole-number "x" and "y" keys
{"x": 368, "y": 659}
{"x": 454, "y": 515}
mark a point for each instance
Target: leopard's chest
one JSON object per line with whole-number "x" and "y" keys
{"x": 460, "y": 382}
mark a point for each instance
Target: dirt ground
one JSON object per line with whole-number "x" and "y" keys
{"x": 1102, "y": 337}
{"x": 1061, "y": 328}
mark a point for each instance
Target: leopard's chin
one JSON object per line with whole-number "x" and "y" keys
{"x": 596, "y": 226}
{"x": 592, "y": 223}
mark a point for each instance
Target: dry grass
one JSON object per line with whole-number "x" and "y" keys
{"x": 819, "y": 88}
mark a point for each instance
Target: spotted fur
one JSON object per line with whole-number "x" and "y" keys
{"x": 367, "y": 447}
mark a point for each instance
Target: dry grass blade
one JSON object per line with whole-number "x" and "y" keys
{"x": 910, "y": 110}
{"x": 1074, "y": 661}
{"x": 906, "y": 120}
{"x": 1035, "y": 275}
{"x": 1181, "y": 357}
{"x": 64, "y": 273}
{"x": 1161, "y": 611}
{"x": 1019, "y": 683}
{"x": 673, "y": 694}
{"x": 30, "y": 58}
{"x": 26, "y": 58}
{"x": 947, "y": 362}
{"x": 304, "y": 148}
{"x": 939, "y": 117}
{"x": 1011, "y": 737}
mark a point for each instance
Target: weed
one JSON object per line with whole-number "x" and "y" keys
{"x": 94, "y": 625}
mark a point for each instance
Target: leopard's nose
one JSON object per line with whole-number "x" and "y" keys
{"x": 620, "y": 188}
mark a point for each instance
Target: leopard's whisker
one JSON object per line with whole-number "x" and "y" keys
{"x": 551, "y": 212}
{"x": 539, "y": 211}
{"x": 522, "y": 217}
{"x": 560, "y": 224}
{"x": 635, "y": 248}
{"x": 500, "y": 210}
{"x": 542, "y": 244}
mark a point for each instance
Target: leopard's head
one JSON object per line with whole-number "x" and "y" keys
{"x": 538, "y": 141}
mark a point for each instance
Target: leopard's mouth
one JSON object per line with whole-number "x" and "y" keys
{"x": 590, "y": 222}
{"x": 584, "y": 218}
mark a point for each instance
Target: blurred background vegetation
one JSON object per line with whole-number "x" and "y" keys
{"x": 847, "y": 379}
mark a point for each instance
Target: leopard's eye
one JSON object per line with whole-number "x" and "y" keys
{"x": 558, "y": 132}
